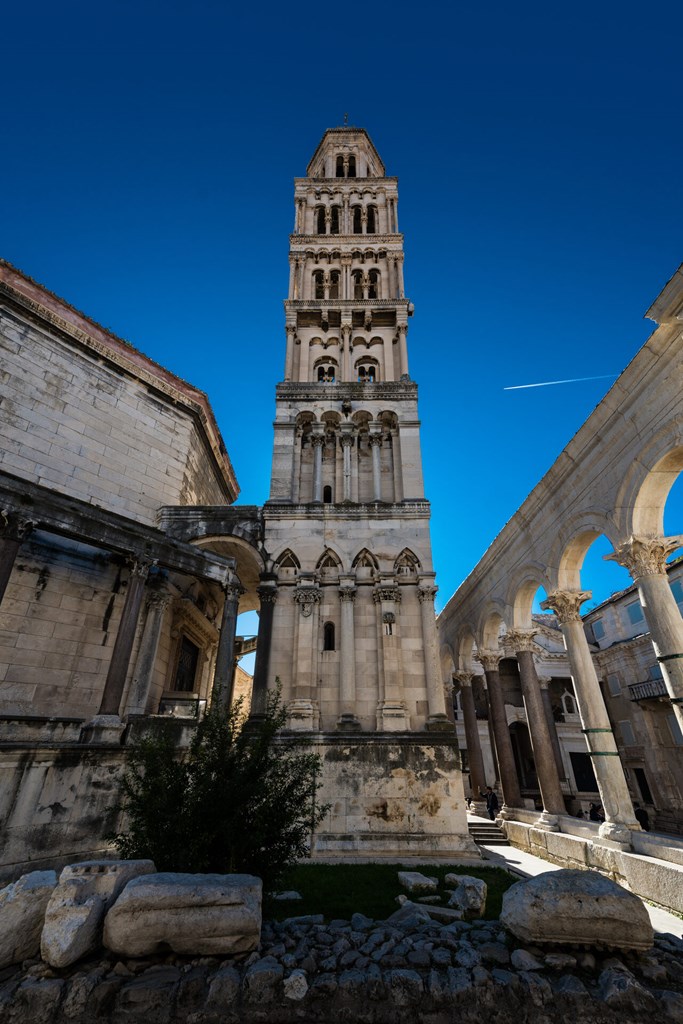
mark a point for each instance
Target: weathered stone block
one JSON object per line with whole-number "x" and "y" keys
{"x": 415, "y": 882}
{"x": 573, "y": 906}
{"x": 22, "y": 911}
{"x": 470, "y": 895}
{"x": 187, "y": 914}
{"x": 75, "y": 912}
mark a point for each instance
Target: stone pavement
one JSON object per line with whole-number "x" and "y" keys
{"x": 527, "y": 866}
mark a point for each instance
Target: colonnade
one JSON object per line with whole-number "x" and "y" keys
{"x": 303, "y": 266}
{"x": 305, "y": 221}
{"x": 345, "y": 477}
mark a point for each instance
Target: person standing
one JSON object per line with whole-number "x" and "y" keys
{"x": 491, "y": 803}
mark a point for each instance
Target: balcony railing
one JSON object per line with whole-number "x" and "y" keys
{"x": 649, "y": 690}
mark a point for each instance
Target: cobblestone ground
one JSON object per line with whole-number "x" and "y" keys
{"x": 413, "y": 969}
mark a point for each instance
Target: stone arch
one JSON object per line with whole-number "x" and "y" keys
{"x": 572, "y": 542}
{"x": 329, "y": 564}
{"x": 365, "y": 560}
{"x": 465, "y": 645}
{"x": 521, "y": 593}
{"x": 492, "y": 625}
{"x": 407, "y": 563}
{"x": 250, "y": 563}
{"x": 647, "y": 515}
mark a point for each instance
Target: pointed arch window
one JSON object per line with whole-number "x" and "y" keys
{"x": 328, "y": 637}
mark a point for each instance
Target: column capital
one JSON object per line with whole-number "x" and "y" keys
{"x": 346, "y": 440}
{"x": 307, "y": 596}
{"x": 566, "y": 604}
{"x": 520, "y": 639}
{"x": 233, "y": 589}
{"x": 490, "y": 660}
{"x": 347, "y": 594}
{"x": 464, "y": 678}
{"x": 139, "y": 567}
{"x": 645, "y": 556}
{"x": 159, "y": 598}
{"x": 267, "y": 593}
{"x": 387, "y": 592}
{"x": 544, "y": 681}
{"x": 426, "y": 593}
{"x": 14, "y": 526}
{"x": 374, "y": 439}
{"x": 317, "y": 440}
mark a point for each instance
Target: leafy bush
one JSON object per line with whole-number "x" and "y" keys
{"x": 242, "y": 799}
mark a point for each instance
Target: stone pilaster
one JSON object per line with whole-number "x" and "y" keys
{"x": 609, "y": 773}
{"x": 318, "y": 442}
{"x": 392, "y": 715}
{"x": 375, "y": 441}
{"x": 512, "y": 796}
{"x": 267, "y": 592}
{"x": 346, "y": 440}
{"x": 437, "y": 719}
{"x": 123, "y": 645}
{"x": 157, "y": 603}
{"x": 303, "y": 710}
{"x": 645, "y": 558}
{"x": 347, "y": 667}
{"x": 522, "y": 641}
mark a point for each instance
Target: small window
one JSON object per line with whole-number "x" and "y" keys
{"x": 327, "y": 495}
{"x": 334, "y": 222}
{"x": 677, "y": 591}
{"x": 627, "y": 734}
{"x": 357, "y": 284}
{"x": 654, "y": 671}
{"x": 328, "y": 636}
{"x": 634, "y": 612}
{"x": 372, "y": 220}
{"x": 352, "y": 167}
{"x": 320, "y": 220}
{"x": 340, "y": 166}
{"x": 357, "y": 220}
{"x": 373, "y": 288}
{"x": 319, "y": 284}
{"x": 186, "y": 671}
{"x": 598, "y": 629}
{"x": 614, "y": 685}
{"x": 334, "y": 284}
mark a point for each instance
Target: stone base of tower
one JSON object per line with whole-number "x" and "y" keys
{"x": 392, "y": 796}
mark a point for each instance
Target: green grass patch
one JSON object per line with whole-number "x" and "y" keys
{"x": 340, "y": 890}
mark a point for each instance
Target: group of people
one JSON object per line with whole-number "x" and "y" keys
{"x": 595, "y": 811}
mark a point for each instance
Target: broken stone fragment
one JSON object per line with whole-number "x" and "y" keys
{"x": 414, "y": 882}
{"x": 470, "y": 895}
{"x": 189, "y": 914}
{"x": 22, "y": 912}
{"x": 576, "y": 907}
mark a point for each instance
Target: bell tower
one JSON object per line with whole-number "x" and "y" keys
{"x": 347, "y": 523}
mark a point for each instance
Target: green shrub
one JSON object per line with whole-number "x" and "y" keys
{"x": 241, "y": 800}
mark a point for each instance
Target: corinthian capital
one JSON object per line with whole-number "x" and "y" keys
{"x": 489, "y": 659}
{"x": 645, "y": 556}
{"x": 520, "y": 639}
{"x": 566, "y": 604}
{"x": 464, "y": 678}
{"x": 13, "y": 526}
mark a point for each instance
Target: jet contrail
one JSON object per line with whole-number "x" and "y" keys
{"x": 572, "y": 380}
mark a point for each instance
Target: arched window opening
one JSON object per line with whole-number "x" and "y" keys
{"x": 334, "y": 222}
{"x": 352, "y": 167}
{"x": 340, "y": 166}
{"x": 320, "y": 220}
{"x": 319, "y": 284}
{"x": 326, "y": 373}
{"x": 357, "y": 284}
{"x": 373, "y": 286}
{"x": 372, "y": 220}
{"x": 357, "y": 220}
{"x": 334, "y": 284}
{"x": 327, "y": 495}
{"x": 328, "y": 636}
{"x": 367, "y": 373}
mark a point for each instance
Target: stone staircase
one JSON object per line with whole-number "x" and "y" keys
{"x": 487, "y": 833}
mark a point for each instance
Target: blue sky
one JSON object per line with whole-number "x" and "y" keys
{"x": 146, "y": 177}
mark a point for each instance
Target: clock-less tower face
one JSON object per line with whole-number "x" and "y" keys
{"x": 347, "y": 523}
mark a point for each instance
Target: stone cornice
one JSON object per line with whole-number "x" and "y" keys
{"x": 292, "y": 391}
{"x": 47, "y": 310}
{"x": 354, "y": 240}
{"x": 295, "y": 304}
{"x": 419, "y": 509}
{"x": 349, "y": 183}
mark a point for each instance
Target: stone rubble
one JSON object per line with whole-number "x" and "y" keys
{"x": 375, "y": 972}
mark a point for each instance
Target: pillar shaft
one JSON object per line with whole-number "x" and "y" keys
{"x": 267, "y": 593}
{"x": 223, "y": 677}
{"x": 552, "y": 727}
{"x": 157, "y": 603}
{"x": 474, "y": 755}
{"x": 125, "y": 637}
{"x": 437, "y": 719}
{"x": 501, "y": 733}
{"x": 317, "y": 441}
{"x": 609, "y": 773}
{"x": 346, "y": 441}
{"x": 375, "y": 443}
{"x": 13, "y": 532}
{"x": 347, "y": 666}
{"x": 539, "y": 734}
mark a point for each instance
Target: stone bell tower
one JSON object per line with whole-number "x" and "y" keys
{"x": 347, "y": 524}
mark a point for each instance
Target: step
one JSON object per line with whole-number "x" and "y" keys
{"x": 488, "y": 835}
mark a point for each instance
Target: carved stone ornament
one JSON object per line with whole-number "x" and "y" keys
{"x": 14, "y": 527}
{"x": 427, "y": 593}
{"x": 347, "y": 594}
{"x": 233, "y": 590}
{"x": 520, "y": 639}
{"x": 464, "y": 678}
{"x": 307, "y": 597}
{"x": 375, "y": 439}
{"x": 267, "y": 595}
{"x": 317, "y": 440}
{"x": 346, "y": 440}
{"x": 388, "y": 618}
{"x": 490, "y": 660}
{"x": 645, "y": 556}
{"x": 566, "y": 604}
{"x": 390, "y": 593}
{"x": 158, "y": 599}
{"x": 140, "y": 567}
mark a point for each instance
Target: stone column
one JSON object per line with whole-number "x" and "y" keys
{"x": 474, "y": 755}
{"x": 317, "y": 440}
{"x": 346, "y": 442}
{"x": 13, "y": 532}
{"x": 645, "y": 559}
{"x": 388, "y": 349}
{"x": 544, "y": 682}
{"x": 403, "y": 349}
{"x": 348, "y": 721}
{"x": 346, "y": 351}
{"x": 267, "y": 592}
{"x": 437, "y": 720}
{"x": 401, "y": 286}
{"x": 375, "y": 441}
{"x": 123, "y": 645}
{"x": 392, "y": 715}
{"x": 501, "y": 733}
{"x": 289, "y": 356}
{"x": 616, "y": 800}
{"x": 157, "y": 603}
{"x": 522, "y": 642}
{"x": 223, "y": 677}
{"x": 303, "y": 710}
{"x": 296, "y": 464}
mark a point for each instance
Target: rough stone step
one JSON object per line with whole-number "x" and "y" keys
{"x": 488, "y": 835}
